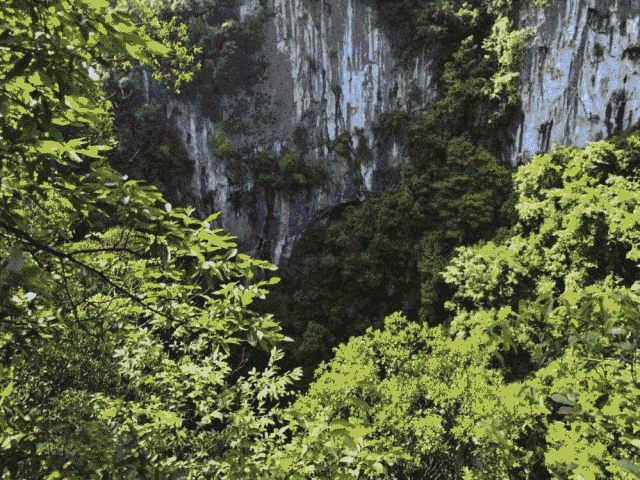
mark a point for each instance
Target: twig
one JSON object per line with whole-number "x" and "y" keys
{"x": 102, "y": 276}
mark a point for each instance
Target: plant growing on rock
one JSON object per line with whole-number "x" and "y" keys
{"x": 342, "y": 145}
{"x": 220, "y": 144}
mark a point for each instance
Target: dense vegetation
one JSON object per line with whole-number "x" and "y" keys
{"x": 369, "y": 260}
{"x": 535, "y": 376}
{"x": 119, "y": 315}
{"x": 126, "y": 324}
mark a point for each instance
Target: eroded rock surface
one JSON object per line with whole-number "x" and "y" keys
{"x": 331, "y": 72}
{"x": 581, "y": 76}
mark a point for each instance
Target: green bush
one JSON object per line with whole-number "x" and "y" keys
{"x": 222, "y": 147}
{"x": 394, "y": 124}
{"x": 570, "y": 269}
{"x": 295, "y": 174}
{"x": 419, "y": 402}
{"x": 536, "y": 375}
{"x": 342, "y": 145}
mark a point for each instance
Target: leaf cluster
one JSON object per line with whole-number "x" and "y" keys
{"x": 122, "y": 318}
{"x": 287, "y": 172}
{"x": 536, "y": 376}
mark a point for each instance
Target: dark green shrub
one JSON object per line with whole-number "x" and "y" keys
{"x": 221, "y": 146}
{"x": 394, "y": 124}
{"x": 295, "y": 174}
{"x": 342, "y": 145}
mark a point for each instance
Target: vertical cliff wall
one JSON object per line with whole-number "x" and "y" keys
{"x": 331, "y": 72}
{"x": 581, "y": 75}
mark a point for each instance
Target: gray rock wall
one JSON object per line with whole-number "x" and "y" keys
{"x": 581, "y": 76}
{"x": 331, "y": 71}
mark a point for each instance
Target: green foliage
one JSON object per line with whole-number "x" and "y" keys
{"x": 295, "y": 173}
{"x": 466, "y": 198}
{"x": 593, "y": 382}
{"x": 415, "y": 395}
{"x": 386, "y": 254}
{"x": 346, "y": 274}
{"x": 182, "y": 60}
{"x": 363, "y": 153}
{"x": 289, "y": 159}
{"x": 575, "y": 226}
{"x": 121, "y": 316}
{"x": 146, "y": 147}
{"x": 471, "y": 106}
{"x": 221, "y": 146}
{"x": 508, "y": 46}
{"x": 124, "y": 320}
{"x": 575, "y": 242}
{"x": 227, "y": 56}
{"x": 536, "y": 376}
{"x": 211, "y": 53}
{"x": 414, "y": 97}
{"x": 478, "y": 57}
{"x": 435, "y": 26}
{"x": 288, "y": 172}
{"x": 342, "y": 145}
{"x": 392, "y": 124}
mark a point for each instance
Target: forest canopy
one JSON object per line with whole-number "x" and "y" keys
{"x": 121, "y": 316}
{"x": 536, "y": 374}
{"x": 129, "y": 328}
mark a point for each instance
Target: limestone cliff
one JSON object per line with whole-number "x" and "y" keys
{"x": 331, "y": 71}
{"x": 581, "y": 77}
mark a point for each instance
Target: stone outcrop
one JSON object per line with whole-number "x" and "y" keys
{"x": 581, "y": 76}
{"x": 331, "y": 72}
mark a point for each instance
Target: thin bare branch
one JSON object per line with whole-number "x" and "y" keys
{"x": 29, "y": 239}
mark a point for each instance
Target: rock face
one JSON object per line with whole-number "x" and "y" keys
{"x": 581, "y": 76}
{"x": 331, "y": 72}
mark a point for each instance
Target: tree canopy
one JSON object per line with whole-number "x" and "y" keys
{"x": 121, "y": 317}
{"x": 127, "y": 326}
{"x": 536, "y": 376}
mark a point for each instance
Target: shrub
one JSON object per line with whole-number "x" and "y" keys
{"x": 220, "y": 144}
